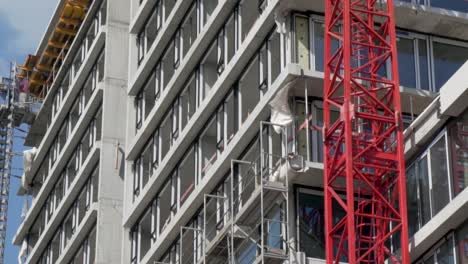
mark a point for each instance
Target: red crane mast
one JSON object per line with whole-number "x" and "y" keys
{"x": 365, "y": 192}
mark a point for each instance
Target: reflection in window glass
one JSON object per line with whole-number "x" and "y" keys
{"x": 423, "y": 65}
{"x": 444, "y": 253}
{"x": 406, "y": 62}
{"x": 319, "y": 46}
{"x": 462, "y": 244}
{"x": 439, "y": 175}
{"x": 412, "y": 200}
{"x": 423, "y": 177}
{"x": 311, "y": 224}
{"x": 447, "y": 60}
{"x": 459, "y": 153}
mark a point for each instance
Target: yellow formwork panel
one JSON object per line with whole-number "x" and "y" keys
{"x": 38, "y": 68}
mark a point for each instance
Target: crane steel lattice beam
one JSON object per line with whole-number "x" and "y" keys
{"x": 365, "y": 193}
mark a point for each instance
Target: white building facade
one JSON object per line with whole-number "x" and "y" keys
{"x": 169, "y": 154}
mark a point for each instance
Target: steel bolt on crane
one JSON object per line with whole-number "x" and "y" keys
{"x": 364, "y": 148}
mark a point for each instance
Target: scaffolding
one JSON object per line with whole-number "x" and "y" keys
{"x": 245, "y": 220}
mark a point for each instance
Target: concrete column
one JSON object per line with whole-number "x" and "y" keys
{"x": 112, "y": 158}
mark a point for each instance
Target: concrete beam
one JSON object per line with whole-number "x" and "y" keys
{"x": 454, "y": 93}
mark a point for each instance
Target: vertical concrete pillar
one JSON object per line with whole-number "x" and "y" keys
{"x": 112, "y": 158}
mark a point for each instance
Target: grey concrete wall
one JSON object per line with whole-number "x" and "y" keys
{"x": 110, "y": 197}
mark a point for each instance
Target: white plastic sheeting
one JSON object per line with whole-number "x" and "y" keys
{"x": 290, "y": 169}
{"x": 280, "y": 110}
{"x": 28, "y": 157}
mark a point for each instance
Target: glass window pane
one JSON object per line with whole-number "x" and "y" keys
{"x": 412, "y": 200}
{"x": 423, "y": 64}
{"x": 319, "y": 46}
{"x": 406, "y": 62}
{"x": 462, "y": 244}
{"x": 459, "y": 153}
{"x": 447, "y": 60}
{"x": 459, "y": 5}
{"x": 444, "y": 254}
{"x": 423, "y": 178}
{"x": 439, "y": 175}
{"x": 311, "y": 224}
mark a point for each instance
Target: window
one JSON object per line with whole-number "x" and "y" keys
{"x": 442, "y": 252}
{"x": 310, "y": 210}
{"x": 208, "y": 147}
{"x": 177, "y": 49}
{"x": 141, "y": 46}
{"x": 137, "y": 174}
{"x": 448, "y": 57}
{"x": 461, "y": 6}
{"x": 428, "y": 184}
{"x": 459, "y": 153}
{"x": 144, "y": 234}
{"x": 153, "y": 24}
{"x": 220, "y": 43}
{"x": 231, "y": 112}
{"x": 189, "y": 30}
{"x": 462, "y": 243}
{"x": 155, "y": 149}
{"x": 139, "y": 104}
{"x": 249, "y": 89}
{"x": 439, "y": 172}
{"x": 187, "y": 175}
{"x": 134, "y": 246}
{"x": 406, "y": 62}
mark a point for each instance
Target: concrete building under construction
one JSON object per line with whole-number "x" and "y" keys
{"x": 190, "y": 131}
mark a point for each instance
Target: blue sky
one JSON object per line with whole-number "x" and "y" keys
{"x": 22, "y": 24}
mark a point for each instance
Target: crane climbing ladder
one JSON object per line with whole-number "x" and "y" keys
{"x": 246, "y": 220}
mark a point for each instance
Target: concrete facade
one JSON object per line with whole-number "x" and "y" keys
{"x": 170, "y": 156}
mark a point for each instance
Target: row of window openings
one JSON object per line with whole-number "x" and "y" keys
{"x": 190, "y": 28}
{"x": 95, "y": 76}
{"x": 186, "y": 176}
{"x": 151, "y": 222}
{"x": 424, "y": 62}
{"x": 85, "y": 47}
{"x": 438, "y": 174}
{"x": 314, "y": 215}
{"x": 229, "y": 39}
{"x": 64, "y": 233}
{"x": 80, "y": 56}
{"x": 66, "y": 179}
{"x": 69, "y": 124}
{"x": 164, "y": 207}
{"x": 232, "y": 112}
{"x": 208, "y": 72}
